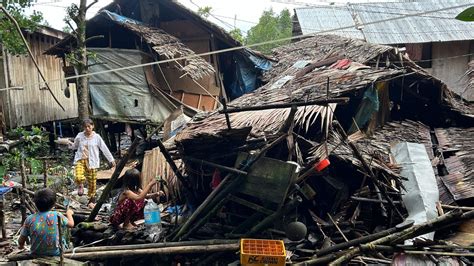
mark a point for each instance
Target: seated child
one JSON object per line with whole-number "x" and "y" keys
{"x": 131, "y": 201}
{"x": 42, "y": 227}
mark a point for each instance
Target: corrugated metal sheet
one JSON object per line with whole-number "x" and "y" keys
{"x": 325, "y": 18}
{"x": 434, "y": 27}
{"x": 33, "y": 104}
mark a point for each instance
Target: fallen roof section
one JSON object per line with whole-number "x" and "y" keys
{"x": 162, "y": 43}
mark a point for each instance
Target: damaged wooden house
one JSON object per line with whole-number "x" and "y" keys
{"x": 345, "y": 137}
{"x": 126, "y": 34}
{"x": 24, "y": 98}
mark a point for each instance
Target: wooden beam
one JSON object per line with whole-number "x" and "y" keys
{"x": 340, "y": 100}
{"x": 218, "y": 166}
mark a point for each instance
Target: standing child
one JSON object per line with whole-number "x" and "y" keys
{"x": 131, "y": 201}
{"x": 42, "y": 227}
{"x": 87, "y": 161}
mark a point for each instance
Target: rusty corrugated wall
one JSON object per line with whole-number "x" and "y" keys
{"x": 33, "y": 104}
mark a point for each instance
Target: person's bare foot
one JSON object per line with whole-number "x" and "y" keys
{"x": 134, "y": 224}
{"x": 91, "y": 205}
{"x": 128, "y": 227}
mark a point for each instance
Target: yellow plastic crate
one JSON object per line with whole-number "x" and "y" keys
{"x": 261, "y": 252}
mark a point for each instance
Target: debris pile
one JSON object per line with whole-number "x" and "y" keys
{"x": 350, "y": 153}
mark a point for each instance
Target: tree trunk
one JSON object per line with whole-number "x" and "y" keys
{"x": 82, "y": 85}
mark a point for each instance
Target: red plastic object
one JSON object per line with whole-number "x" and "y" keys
{"x": 321, "y": 165}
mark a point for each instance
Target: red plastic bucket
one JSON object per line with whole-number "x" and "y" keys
{"x": 321, "y": 165}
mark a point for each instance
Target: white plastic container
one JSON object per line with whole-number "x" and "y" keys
{"x": 152, "y": 220}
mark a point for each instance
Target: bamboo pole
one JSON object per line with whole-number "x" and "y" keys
{"x": 269, "y": 219}
{"x": 110, "y": 185}
{"x": 367, "y": 169}
{"x": 154, "y": 245}
{"x": 25, "y": 42}
{"x": 61, "y": 248}
{"x": 23, "y": 186}
{"x": 340, "y": 100}
{"x": 227, "y": 184}
{"x": 2, "y": 218}
{"x": 108, "y": 254}
{"x": 362, "y": 240}
{"x": 449, "y": 218}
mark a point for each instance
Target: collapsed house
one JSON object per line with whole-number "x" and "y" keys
{"x": 126, "y": 34}
{"x": 249, "y": 168}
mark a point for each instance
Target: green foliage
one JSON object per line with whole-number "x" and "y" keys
{"x": 204, "y": 11}
{"x": 9, "y": 37}
{"x": 467, "y": 15}
{"x": 34, "y": 144}
{"x": 271, "y": 27}
{"x": 67, "y": 29}
{"x": 237, "y": 34}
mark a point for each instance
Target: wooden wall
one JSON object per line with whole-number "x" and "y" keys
{"x": 183, "y": 88}
{"x": 34, "y": 104}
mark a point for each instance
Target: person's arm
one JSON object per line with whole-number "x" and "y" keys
{"x": 133, "y": 196}
{"x": 24, "y": 233}
{"x": 70, "y": 220}
{"x": 21, "y": 242}
{"x": 155, "y": 195}
{"x": 74, "y": 145}
{"x": 106, "y": 151}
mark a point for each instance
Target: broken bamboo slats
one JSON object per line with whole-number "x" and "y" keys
{"x": 367, "y": 168}
{"x": 340, "y": 100}
{"x": 173, "y": 166}
{"x": 413, "y": 231}
{"x": 269, "y": 219}
{"x": 223, "y": 188}
{"x": 361, "y": 240}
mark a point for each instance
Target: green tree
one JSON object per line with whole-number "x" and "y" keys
{"x": 9, "y": 37}
{"x": 271, "y": 26}
{"x": 204, "y": 11}
{"x": 78, "y": 56}
{"x": 237, "y": 34}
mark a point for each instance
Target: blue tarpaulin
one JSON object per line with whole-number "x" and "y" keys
{"x": 248, "y": 67}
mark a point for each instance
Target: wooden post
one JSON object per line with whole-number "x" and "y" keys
{"x": 2, "y": 219}
{"x": 61, "y": 248}
{"x": 45, "y": 172}
{"x": 110, "y": 185}
{"x": 227, "y": 118}
{"x": 175, "y": 169}
{"x": 23, "y": 185}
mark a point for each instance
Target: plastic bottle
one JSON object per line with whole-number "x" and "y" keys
{"x": 152, "y": 220}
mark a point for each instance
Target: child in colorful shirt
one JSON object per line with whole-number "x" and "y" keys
{"x": 42, "y": 227}
{"x": 86, "y": 160}
{"x": 131, "y": 201}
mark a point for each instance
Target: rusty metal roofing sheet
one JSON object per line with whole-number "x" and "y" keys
{"x": 433, "y": 27}
{"x": 460, "y": 177}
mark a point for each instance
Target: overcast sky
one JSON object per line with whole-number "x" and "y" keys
{"x": 246, "y": 12}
